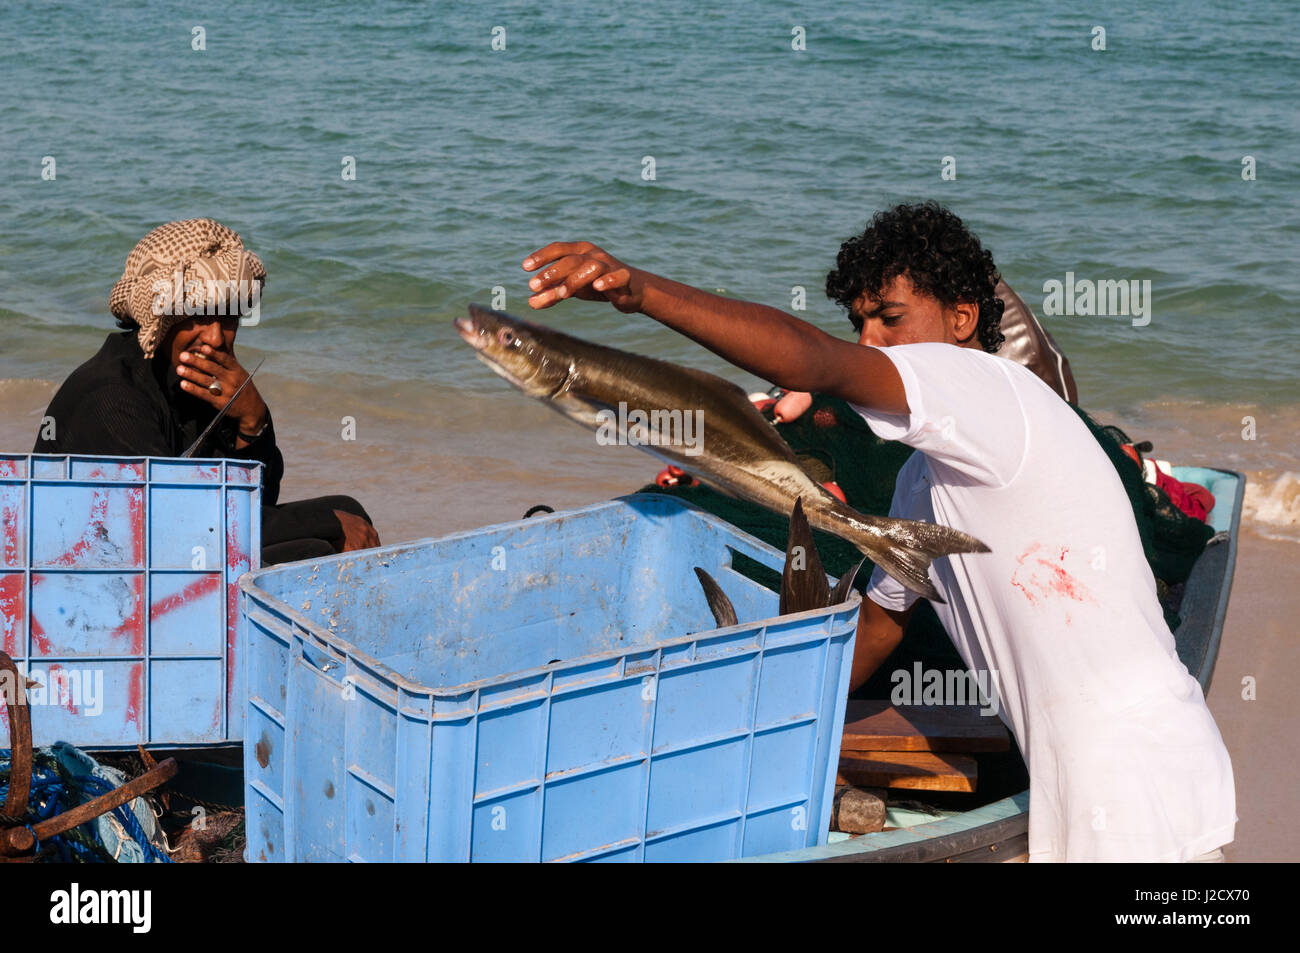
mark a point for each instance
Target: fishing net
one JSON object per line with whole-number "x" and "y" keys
{"x": 64, "y": 778}
{"x": 834, "y": 443}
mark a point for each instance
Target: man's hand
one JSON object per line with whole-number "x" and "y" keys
{"x": 357, "y": 533}
{"x": 201, "y": 366}
{"x": 581, "y": 270}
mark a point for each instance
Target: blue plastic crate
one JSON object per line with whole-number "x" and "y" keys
{"x": 551, "y": 689}
{"x": 118, "y": 595}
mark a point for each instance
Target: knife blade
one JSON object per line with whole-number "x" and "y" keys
{"x": 215, "y": 420}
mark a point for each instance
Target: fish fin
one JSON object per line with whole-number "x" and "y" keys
{"x": 909, "y": 546}
{"x": 724, "y": 613}
{"x": 803, "y": 580}
{"x": 912, "y": 569}
{"x": 841, "y": 590}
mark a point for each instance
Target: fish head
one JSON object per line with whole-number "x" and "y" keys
{"x": 522, "y": 353}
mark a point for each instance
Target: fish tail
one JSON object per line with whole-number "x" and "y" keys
{"x": 905, "y": 549}
{"x": 935, "y": 539}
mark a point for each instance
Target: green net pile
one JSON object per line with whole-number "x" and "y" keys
{"x": 1171, "y": 539}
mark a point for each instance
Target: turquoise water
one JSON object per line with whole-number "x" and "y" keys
{"x": 1117, "y": 164}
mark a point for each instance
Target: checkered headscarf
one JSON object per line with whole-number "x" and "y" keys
{"x": 198, "y": 251}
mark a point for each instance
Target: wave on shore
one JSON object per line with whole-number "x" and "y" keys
{"x": 414, "y": 434}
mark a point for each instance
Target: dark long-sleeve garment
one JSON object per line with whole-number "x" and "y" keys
{"x": 119, "y": 403}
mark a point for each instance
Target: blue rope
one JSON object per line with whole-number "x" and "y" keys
{"x": 46, "y": 794}
{"x": 47, "y": 798}
{"x": 98, "y": 786}
{"x": 50, "y": 795}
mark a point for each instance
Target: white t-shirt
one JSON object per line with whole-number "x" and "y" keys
{"x": 1125, "y": 761}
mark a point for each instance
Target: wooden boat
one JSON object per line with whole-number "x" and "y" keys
{"x": 998, "y": 831}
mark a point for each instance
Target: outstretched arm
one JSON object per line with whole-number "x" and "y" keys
{"x": 764, "y": 341}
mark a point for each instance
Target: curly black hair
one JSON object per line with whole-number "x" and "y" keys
{"x": 935, "y": 250}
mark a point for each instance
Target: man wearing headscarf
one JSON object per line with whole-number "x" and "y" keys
{"x": 154, "y": 387}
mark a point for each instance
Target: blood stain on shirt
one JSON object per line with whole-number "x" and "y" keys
{"x": 1040, "y": 578}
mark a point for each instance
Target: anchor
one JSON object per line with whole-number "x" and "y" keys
{"x": 18, "y": 840}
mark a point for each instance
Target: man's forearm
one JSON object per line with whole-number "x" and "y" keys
{"x": 767, "y": 342}
{"x": 880, "y": 631}
{"x": 764, "y": 341}
{"x": 868, "y": 655}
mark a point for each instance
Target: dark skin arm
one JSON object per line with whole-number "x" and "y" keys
{"x": 765, "y": 341}
{"x": 879, "y": 632}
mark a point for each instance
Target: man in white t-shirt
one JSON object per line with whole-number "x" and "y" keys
{"x": 1125, "y": 761}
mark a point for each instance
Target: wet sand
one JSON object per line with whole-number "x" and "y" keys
{"x": 1259, "y": 643}
{"x": 427, "y": 462}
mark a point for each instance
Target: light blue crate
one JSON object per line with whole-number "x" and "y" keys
{"x": 550, "y": 689}
{"x": 117, "y": 594}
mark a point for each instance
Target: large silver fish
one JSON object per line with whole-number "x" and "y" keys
{"x": 701, "y": 423}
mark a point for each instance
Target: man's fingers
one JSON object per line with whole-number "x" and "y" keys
{"x": 613, "y": 286}
{"x": 201, "y": 392}
{"x": 556, "y": 274}
{"x": 358, "y": 533}
{"x": 584, "y": 276}
{"x": 574, "y": 269}
{"x": 553, "y": 251}
{"x": 195, "y": 375}
{"x": 615, "y": 279}
{"x": 225, "y": 358}
{"x": 203, "y": 364}
{"x": 545, "y": 299}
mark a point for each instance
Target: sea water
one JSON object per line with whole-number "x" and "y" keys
{"x": 392, "y": 162}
